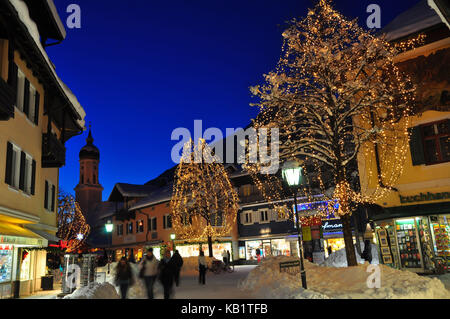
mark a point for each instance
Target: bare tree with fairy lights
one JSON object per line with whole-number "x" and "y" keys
{"x": 72, "y": 226}
{"x": 337, "y": 96}
{"x": 204, "y": 204}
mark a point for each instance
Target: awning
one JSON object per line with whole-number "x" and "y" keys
{"x": 18, "y": 235}
{"x": 44, "y": 234}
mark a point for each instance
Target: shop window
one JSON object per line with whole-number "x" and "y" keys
{"x": 430, "y": 143}
{"x": 6, "y": 263}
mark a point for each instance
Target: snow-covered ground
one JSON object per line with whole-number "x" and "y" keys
{"x": 339, "y": 257}
{"x": 220, "y": 286}
{"x": 266, "y": 281}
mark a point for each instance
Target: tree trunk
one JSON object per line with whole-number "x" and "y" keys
{"x": 348, "y": 240}
{"x": 210, "y": 246}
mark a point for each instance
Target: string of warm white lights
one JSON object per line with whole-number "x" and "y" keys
{"x": 204, "y": 203}
{"x": 337, "y": 97}
{"x": 72, "y": 226}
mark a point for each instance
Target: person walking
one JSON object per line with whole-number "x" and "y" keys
{"x": 178, "y": 263}
{"x": 225, "y": 257}
{"x": 124, "y": 277}
{"x": 148, "y": 271}
{"x": 229, "y": 256}
{"x": 202, "y": 266}
{"x": 166, "y": 274}
{"x": 329, "y": 250}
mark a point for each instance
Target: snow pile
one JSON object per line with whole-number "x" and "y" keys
{"x": 95, "y": 291}
{"x": 190, "y": 265}
{"x": 266, "y": 281}
{"x": 339, "y": 257}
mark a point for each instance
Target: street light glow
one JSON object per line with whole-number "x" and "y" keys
{"x": 292, "y": 173}
{"x": 109, "y": 227}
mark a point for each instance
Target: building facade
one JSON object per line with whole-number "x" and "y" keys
{"x": 38, "y": 114}
{"x": 413, "y": 219}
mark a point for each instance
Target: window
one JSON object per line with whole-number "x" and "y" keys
{"x": 167, "y": 221}
{"x": 50, "y": 196}
{"x": 247, "y": 218}
{"x": 139, "y": 226}
{"x": 217, "y": 219}
{"x": 152, "y": 224}
{"x": 20, "y": 169}
{"x": 186, "y": 219}
{"x": 246, "y": 190}
{"x": 20, "y": 89}
{"x": 430, "y": 143}
{"x": 436, "y": 141}
{"x": 264, "y": 218}
{"x": 129, "y": 228}
{"x": 28, "y": 98}
{"x": 120, "y": 230}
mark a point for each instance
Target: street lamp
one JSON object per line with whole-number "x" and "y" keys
{"x": 172, "y": 237}
{"x": 109, "y": 226}
{"x": 292, "y": 174}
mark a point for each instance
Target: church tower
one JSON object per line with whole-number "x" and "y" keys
{"x": 88, "y": 192}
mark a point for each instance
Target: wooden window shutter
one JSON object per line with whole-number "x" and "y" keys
{"x": 46, "y": 195}
{"x": 164, "y": 222}
{"x": 33, "y": 177}
{"x": 12, "y": 78}
{"x": 22, "y": 171}
{"x": 36, "y": 108}
{"x": 9, "y": 163}
{"x": 154, "y": 223}
{"x": 26, "y": 97}
{"x": 53, "y": 197}
{"x": 416, "y": 146}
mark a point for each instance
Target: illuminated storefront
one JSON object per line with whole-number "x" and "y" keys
{"x": 193, "y": 250}
{"x": 250, "y": 249}
{"x": 419, "y": 244}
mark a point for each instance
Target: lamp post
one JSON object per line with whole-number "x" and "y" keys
{"x": 292, "y": 174}
{"x": 172, "y": 237}
{"x": 109, "y": 226}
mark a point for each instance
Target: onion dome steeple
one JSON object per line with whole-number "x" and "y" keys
{"x": 90, "y": 151}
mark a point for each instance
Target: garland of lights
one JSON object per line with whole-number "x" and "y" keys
{"x": 336, "y": 95}
{"x": 204, "y": 203}
{"x": 72, "y": 226}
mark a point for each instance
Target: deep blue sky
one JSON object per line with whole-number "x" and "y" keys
{"x": 141, "y": 68}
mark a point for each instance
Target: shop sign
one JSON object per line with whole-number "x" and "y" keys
{"x": 332, "y": 225}
{"x": 14, "y": 240}
{"x": 424, "y": 197}
{"x": 290, "y": 267}
{"x": 6, "y": 247}
{"x": 306, "y": 233}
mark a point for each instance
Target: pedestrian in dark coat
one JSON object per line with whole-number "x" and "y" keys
{"x": 166, "y": 274}
{"x": 202, "y": 267}
{"x": 178, "y": 262}
{"x": 124, "y": 277}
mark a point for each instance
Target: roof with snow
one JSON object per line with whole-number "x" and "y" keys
{"x": 161, "y": 195}
{"x": 122, "y": 190}
{"x": 27, "y": 37}
{"x": 416, "y": 19}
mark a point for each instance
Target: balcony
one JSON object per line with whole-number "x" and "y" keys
{"x": 53, "y": 151}
{"x": 6, "y": 101}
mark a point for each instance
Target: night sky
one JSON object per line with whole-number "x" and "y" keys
{"x": 141, "y": 68}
